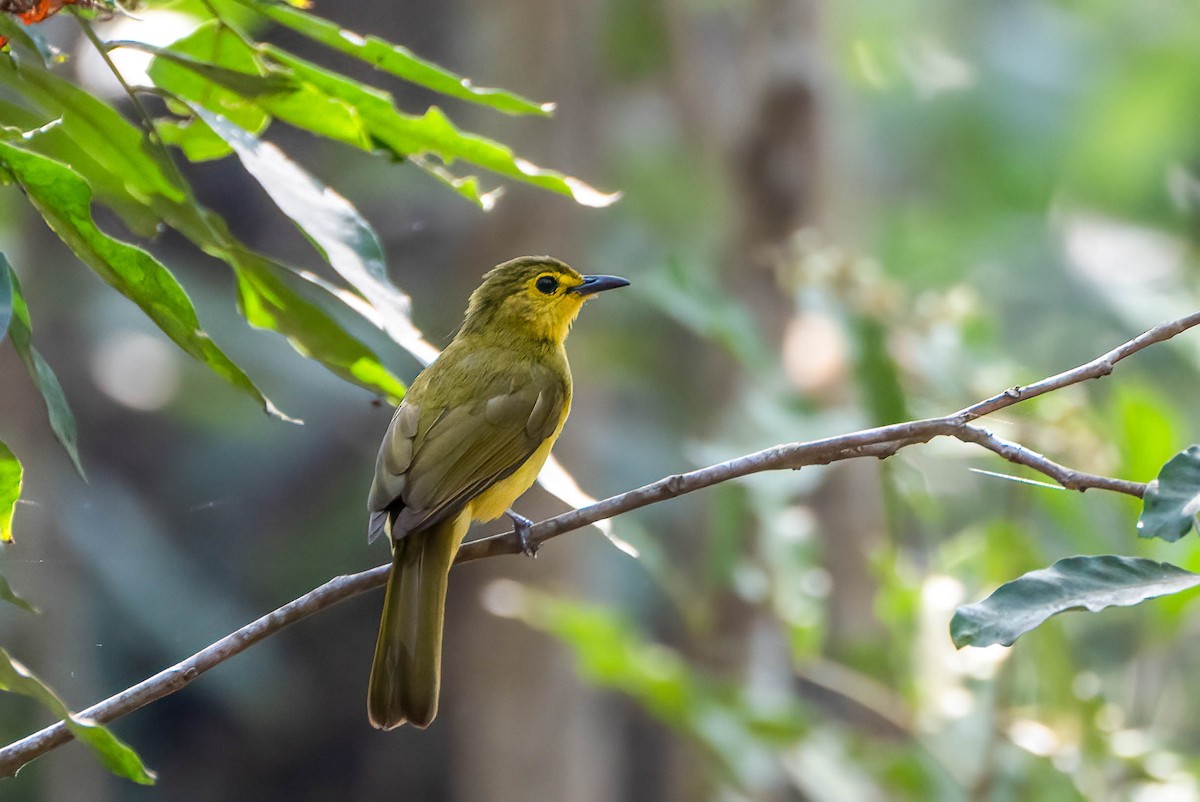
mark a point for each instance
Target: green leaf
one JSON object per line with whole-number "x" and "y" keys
{"x": 11, "y": 476}
{"x": 331, "y": 105}
{"x": 211, "y": 66}
{"x": 113, "y": 753}
{"x": 278, "y": 299}
{"x": 62, "y": 420}
{"x": 125, "y": 171}
{"x": 194, "y": 138}
{"x": 9, "y": 595}
{"x": 1076, "y": 583}
{"x": 333, "y": 225}
{"x": 64, "y": 199}
{"x": 110, "y": 189}
{"x": 398, "y": 61}
{"x": 215, "y": 68}
{"x": 433, "y": 133}
{"x": 1172, "y": 500}
{"x": 94, "y": 125}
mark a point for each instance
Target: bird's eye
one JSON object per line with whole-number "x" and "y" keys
{"x": 546, "y": 284}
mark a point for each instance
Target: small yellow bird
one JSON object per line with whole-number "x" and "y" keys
{"x": 470, "y": 437}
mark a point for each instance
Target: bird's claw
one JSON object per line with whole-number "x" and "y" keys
{"x": 522, "y": 525}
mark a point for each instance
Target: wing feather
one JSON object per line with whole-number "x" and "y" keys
{"x": 433, "y": 460}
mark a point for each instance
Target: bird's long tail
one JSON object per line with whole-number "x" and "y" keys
{"x": 406, "y": 674}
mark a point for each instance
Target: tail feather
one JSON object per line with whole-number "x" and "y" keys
{"x": 406, "y": 674}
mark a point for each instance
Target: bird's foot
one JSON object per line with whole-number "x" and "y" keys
{"x": 522, "y": 525}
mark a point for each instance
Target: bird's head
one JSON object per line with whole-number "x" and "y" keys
{"x": 534, "y": 296}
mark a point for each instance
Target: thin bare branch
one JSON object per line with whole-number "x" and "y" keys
{"x": 880, "y": 442}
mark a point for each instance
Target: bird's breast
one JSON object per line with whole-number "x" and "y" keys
{"x": 493, "y": 502}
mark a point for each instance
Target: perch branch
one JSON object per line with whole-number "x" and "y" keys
{"x": 880, "y": 442}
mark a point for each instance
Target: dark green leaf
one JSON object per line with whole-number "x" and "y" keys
{"x": 334, "y": 226}
{"x": 1076, "y": 583}
{"x": 62, "y": 421}
{"x": 116, "y": 756}
{"x": 248, "y": 82}
{"x": 1172, "y": 500}
{"x": 9, "y": 595}
{"x": 399, "y": 61}
{"x": 11, "y": 476}
{"x": 64, "y": 199}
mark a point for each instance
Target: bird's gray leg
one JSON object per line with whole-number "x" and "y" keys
{"x": 522, "y": 525}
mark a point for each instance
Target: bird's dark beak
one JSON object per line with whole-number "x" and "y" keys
{"x": 595, "y": 284}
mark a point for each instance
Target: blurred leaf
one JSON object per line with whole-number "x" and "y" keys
{"x": 6, "y": 592}
{"x": 333, "y": 225}
{"x": 612, "y": 654}
{"x": 11, "y": 476}
{"x": 275, "y": 298}
{"x": 64, "y": 199}
{"x": 399, "y": 61}
{"x": 114, "y": 754}
{"x": 62, "y": 420}
{"x": 878, "y": 376}
{"x": 6, "y": 300}
{"x": 26, "y": 40}
{"x": 1145, "y": 426}
{"x": 693, "y": 297}
{"x": 1075, "y": 583}
{"x": 1172, "y": 500}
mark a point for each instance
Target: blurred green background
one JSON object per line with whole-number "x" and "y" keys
{"x": 835, "y": 215}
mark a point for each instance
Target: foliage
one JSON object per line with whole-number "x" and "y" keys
{"x": 216, "y": 91}
{"x": 1013, "y": 192}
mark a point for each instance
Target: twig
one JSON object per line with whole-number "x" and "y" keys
{"x": 880, "y": 442}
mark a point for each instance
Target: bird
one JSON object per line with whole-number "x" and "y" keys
{"x": 469, "y": 437}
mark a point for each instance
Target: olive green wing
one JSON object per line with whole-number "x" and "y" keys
{"x": 435, "y": 460}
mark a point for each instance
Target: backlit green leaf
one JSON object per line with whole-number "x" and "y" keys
{"x": 113, "y": 753}
{"x": 334, "y": 226}
{"x": 11, "y": 475}
{"x": 433, "y": 133}
{"x": 399, "y": 61}
{"x": 275, "y": 298}
{"x": 1076, "y": 583}
{"x": 1172, "y": 500}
